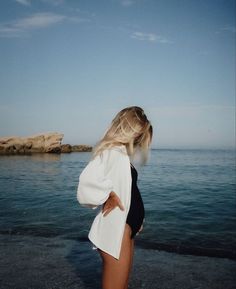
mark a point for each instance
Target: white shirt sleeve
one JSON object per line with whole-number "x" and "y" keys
{"x": 94, "y": 187}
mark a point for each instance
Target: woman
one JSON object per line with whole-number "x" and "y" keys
{"x": 110, "y": 181}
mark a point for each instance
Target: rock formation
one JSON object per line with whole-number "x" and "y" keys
{"x": 67, "y": 148}
{"x": 81, "y": 148}
{"x": 41, "y": 143}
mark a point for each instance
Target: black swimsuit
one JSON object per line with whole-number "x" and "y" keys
{"x": 136, "y": 211}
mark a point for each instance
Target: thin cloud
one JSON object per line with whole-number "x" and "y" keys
{"x": 35, "y": 21}
{"x": 53, "y": 2}
{"x": 24, "y": 2}
{"x": 227, "y": 28}
{"x": 39, "y": 20}
{"x": 79, "y": 20}
{"x": 150, "y": 37}
{"x": 7, "y": 31}
{"x": 127, "y": 3}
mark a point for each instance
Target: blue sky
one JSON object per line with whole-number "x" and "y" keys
{"x": 69, "y": 66}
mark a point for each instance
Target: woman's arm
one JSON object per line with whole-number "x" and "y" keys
{"x": 94, "y": 187}
{"x": 112, "y": 202}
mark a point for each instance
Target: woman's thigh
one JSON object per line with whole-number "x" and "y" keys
{"x": 116, "y": 272}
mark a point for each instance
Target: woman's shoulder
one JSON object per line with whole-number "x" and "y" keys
{"x": 116, "y": 159}
{"x": 114, "y": 154}
{"x": 117, "y": 150}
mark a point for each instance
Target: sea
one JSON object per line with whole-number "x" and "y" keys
{"x": 189, "y": 197}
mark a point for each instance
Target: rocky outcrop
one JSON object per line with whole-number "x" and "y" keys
{"x": 40, "y": 143}
{"x": 66, "y": 148}
{"x": 81, "y": 148}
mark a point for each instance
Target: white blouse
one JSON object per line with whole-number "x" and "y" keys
{"x": 107, "y": 172}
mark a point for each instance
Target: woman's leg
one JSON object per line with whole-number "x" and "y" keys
{"x": 116, "y": 272}
{"x": 131, "y": 262}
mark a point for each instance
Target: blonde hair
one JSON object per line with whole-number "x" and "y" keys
{"x": 131, "y": 128}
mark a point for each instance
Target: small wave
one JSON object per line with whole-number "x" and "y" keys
{"x": 188, "y": 250}
{"x": 28, "y": 231}
{"x": 144, "y": 244}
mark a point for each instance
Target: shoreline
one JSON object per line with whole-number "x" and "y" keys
{"x": 55, "y": 263}
{"x": 142, "y": 244}
{"x": 178, "y": 249}
{"x": 188, "y": 250}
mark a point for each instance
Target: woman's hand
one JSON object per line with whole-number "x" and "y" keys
{"x": 112, "y": 202}
{"x": 141, "y": 228}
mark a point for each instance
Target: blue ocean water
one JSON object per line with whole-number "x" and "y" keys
{"x": 189, "y": 198}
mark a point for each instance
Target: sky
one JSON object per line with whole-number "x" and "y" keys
{"x": 69, "y": 66}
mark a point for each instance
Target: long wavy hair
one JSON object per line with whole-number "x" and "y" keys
{"x": 131, "y": 128}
